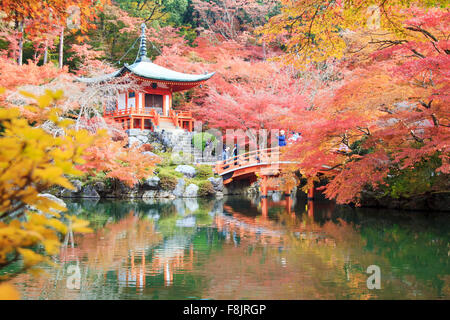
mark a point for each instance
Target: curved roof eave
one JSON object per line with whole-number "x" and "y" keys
{"x": 150, "y": 70}
{"x": 101, "y": 78}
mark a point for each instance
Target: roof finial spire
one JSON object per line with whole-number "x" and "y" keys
{"x": 142, "y": 54}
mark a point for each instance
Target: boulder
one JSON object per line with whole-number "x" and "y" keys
{"x": 157, "y": 194}
{"x": 54, "y": 199}
{"x": 191, "y": 191}
{"x": 66, "y": 193}
{"x": 77, "y": 184}
{"x": 152, "y": 182}
{"x": 90, "y": 192}
{"x": 138, "y": 137}
{"x": 179, "y": 189}
{"x": 217, "y": 184}
{"x": 150, "y": 194}
{"x": 187, "y": 171}
{"x": 219, "y": 195}
{"x": 165, "y": 194}
{"x": 99, "y": 186}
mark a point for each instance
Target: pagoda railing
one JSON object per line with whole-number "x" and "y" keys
{"x": 173, "y": 115}
{"x": 184, "y": 114}
{"x": 142, "y": 111}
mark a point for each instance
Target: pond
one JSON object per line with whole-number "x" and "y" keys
{"x": 245, "y": 248}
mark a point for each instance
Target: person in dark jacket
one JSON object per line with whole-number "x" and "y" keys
{"x": 235, "y": 154}
{"x": 282, "y": 139}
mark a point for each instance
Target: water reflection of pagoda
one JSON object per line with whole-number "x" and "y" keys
{"x": 134, "y": 253}
{"x": 167, "y": 259}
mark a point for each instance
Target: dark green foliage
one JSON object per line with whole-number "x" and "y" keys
{"x": 167, "y": 181}
{"x": 204, "y": 171}
{"x": 205, "y": 188}
{"x": 419, "y": 180}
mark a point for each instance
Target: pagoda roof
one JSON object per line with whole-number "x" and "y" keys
{"x": 144, "y": 68}
{"x": 151, "y": 71}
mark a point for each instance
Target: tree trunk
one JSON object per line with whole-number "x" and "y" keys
{"x": 61, "y": 48}
{"x": 45, "y": 54}
{"x": 20, "y": 57}
{"x": 264, "y": 50}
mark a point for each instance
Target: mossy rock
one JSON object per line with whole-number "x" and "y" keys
{"x": 167, "y": 181}
{"x": 205, "y": 188}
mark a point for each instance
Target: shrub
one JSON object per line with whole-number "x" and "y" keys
{"x": 147, "y": 147}
{"x": 204, "y": 171}
{"x": 165, "y": 159}
{"x": 167, "y": 181}
{"x": 205, "y": 188}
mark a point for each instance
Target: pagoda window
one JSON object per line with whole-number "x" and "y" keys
{"x": 154, "y": 101}
{"x": 121, "y": 102}
{"x": 131, "y": 100}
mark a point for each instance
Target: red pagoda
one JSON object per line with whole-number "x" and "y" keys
{"x": 151, "y": 107}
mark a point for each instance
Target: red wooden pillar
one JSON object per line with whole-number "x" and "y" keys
{"x": 288, "y": 203}
{"x": 264, "y": 207}
{"x": 190, "y": 125}
{"x": 264, "y": 186}
{"x": 136, "y": 101}
{"x": 311, "y": 193}
{"x": 311, "y": 202}
{"x": 310, "y": 206}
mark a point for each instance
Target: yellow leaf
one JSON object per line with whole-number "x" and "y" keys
{"x": 51, "y": 246}
{"x": 30, "y": 258}
{"x": 44, "y": 101}
{"x": 8, "y": 292}
{"x": 27, "y": 94}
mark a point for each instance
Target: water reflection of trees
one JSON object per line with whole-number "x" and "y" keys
{"x": 228, "y": 249}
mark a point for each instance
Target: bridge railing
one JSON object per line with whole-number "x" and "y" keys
{"x": 263, "y": 156}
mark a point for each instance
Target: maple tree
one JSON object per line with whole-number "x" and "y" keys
{"x": 113, "y": 160}
{"x": 31, "y": 162}
{"x": 232, "y": 19}
{"x": 384, "y": 125}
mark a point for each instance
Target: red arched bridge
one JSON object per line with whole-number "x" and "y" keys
{"x": 249, "y": 166}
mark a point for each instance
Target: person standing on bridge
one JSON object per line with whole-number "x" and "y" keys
{"x": 282, "y": 139}
{"x": 225, "y": 152}
{"x": 235, "y": 153}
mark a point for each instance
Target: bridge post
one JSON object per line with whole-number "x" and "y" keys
{"x": 264, "y": 187}
{"x": 311, "y": 193}
{"x": 310, "y": 204}
{"x": 310, "y": 208}
{"x": 264, "y": 207}
{"x": 289, "y": 204}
